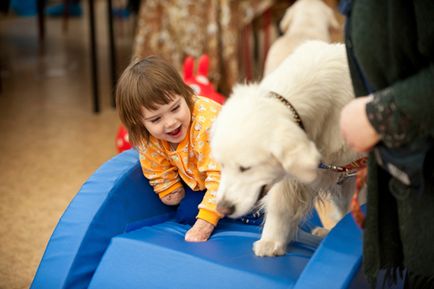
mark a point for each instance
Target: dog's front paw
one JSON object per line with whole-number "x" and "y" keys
{"x": 264, "y": 248}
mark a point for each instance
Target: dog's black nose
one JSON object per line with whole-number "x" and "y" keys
{"x": 225, "y": 208}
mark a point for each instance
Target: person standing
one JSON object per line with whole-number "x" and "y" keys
{"x": 390, "y": 47}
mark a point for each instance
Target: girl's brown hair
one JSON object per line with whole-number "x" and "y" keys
{"x": 147, "y": 82}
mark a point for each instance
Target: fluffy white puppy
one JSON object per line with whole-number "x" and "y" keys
{"x": 267, "y": 158}
{"x": 304, "y": 20}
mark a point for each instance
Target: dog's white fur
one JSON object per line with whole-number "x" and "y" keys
{"x": 304, "y": 20}
{"x": 259, "y": 144}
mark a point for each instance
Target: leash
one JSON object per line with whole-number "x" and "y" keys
{"x": 358, "y": 169}
{"x": 349, "y": 168}
{"x": 356, "y": 211}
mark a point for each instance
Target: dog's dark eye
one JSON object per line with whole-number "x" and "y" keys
{"x": 243, "y": 169}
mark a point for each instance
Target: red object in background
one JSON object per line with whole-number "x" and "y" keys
{"x": 200, "y": 84}
{"x": 199, "y": 81}
{"x": 122, "y": 141}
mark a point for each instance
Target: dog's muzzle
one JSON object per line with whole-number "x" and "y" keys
{"x": 227, "y": 208}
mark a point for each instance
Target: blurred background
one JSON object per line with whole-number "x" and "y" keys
{"x": 59, "y": 61}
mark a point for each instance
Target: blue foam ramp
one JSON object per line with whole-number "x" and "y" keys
{"x": 116, "y": 233}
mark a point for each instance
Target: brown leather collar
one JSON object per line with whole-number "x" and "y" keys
{"x": 294, "y": 112}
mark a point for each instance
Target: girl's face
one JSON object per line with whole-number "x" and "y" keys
{"x": 169, "y": 122}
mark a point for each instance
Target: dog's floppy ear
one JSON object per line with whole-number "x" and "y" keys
{"x": 299, "y": 158}
{"x": 286, "y": 20}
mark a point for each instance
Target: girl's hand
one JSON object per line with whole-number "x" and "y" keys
{"x": 200, "y": 231}
{"x": 355, "y": 126}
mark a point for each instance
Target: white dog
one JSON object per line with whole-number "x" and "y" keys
{"x": 304, "y": 20}
{"x": 267, "y": 158}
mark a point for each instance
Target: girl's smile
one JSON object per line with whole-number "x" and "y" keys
{"x": 169, "y": 122}
{"x": 176, "y": 132}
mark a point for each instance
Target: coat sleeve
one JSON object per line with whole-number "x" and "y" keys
{"x": 404, "y": 110}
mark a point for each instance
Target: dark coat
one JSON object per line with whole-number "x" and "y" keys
{"x": 390, "y": 45}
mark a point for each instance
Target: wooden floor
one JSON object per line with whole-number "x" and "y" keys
{"x": 50, "y": 141}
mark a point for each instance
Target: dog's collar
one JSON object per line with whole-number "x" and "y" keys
{"x": 294, "y": 112}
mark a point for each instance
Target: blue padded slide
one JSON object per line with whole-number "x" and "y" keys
{"x": 158, "y": 257}
{"x": 117, "y": 234}
{"x": 337, "y": 260}
{"x": 114, "y": 198}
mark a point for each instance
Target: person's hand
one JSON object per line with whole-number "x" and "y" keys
{"x": 355, "y": 126}
{"x": 174, "y": 198}
{"x": 200, "y": 231}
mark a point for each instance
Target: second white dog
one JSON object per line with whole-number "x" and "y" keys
{"x": 304, "y": 20}
{"x": 267, "y": 158}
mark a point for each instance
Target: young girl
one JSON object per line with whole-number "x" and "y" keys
{"x": 170, "y": 126}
